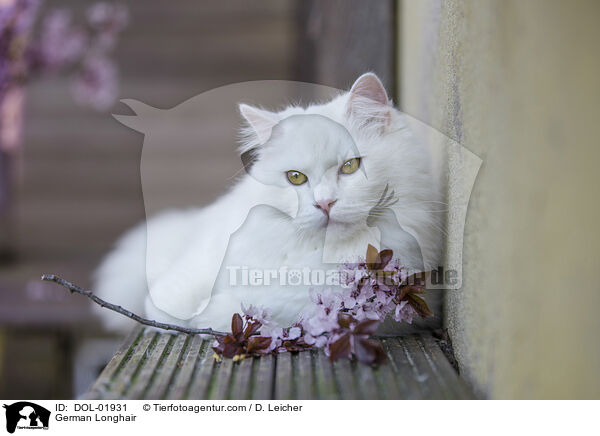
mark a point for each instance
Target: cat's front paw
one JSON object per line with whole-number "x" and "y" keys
{"x": 178, "y": 299}
{"x": 153, "y": 313}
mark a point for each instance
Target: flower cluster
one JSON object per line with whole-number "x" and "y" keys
{"x": 341, "y": 321}
{"x": 353, "y": 338}
{"x": 62, "y": 46}
{"x": 242, "y": 340}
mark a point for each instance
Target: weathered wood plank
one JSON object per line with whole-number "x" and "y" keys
{"x": 325, "y": 380}
{"x": 147, "y": 371}
{"x": 102, "y": 386}
{"x": 123, "y": 380}
{"x": 408, "y": 385}
{"x": 241, "y": 388}
{"x": 428, "y": 383}
{"x": 345, "y": 381}
{"x": 285, "y": 388}
{"x": 223, "y": 380}
{"x": 387, "y": 382}
{"x": 443, "y": 370}
{"x": 304, "y": 372}
{"x": 165, "y": 371}
{"x": 182, "y": 379}
{"x": 367, "y": 385}
{"x": 264, "y": 370}
{"x": 154, "y": 365}
{"x": 203, "y": 371}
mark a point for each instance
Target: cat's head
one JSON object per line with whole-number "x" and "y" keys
{"x": 338, "y": 156}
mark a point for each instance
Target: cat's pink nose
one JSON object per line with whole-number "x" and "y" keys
{"x": 325, "y": 205}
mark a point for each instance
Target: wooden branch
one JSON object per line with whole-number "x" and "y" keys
{"x": 160, "y": 325}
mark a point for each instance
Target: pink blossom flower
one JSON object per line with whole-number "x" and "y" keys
{"x": 273, "y": 331}
{"x": 259, "y": 313}
{"x": 404, "y": 312}
{"x": 96, "y": 84}
{"x": 318, "y": 341}
{"x": 108, "y": 20}
{"x": 111, "y": 16}
{"x": 294, "y": 333}
{"x": 61, "y": 43}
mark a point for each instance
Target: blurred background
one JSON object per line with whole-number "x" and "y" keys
{"x": 516, "y": 82}
{"x": 74, "y": 180}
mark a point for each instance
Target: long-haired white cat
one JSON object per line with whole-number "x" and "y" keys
{"x": 322, "y": 183}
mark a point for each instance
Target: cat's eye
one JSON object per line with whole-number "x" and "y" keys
{"x": 296, "y": 177}
{"x": 350, "y": 166}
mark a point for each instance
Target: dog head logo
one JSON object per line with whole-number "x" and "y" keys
{"x": 26, "y": 415}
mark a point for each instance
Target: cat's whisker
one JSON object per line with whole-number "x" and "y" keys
{"x": 425, "y": 201}
{"x": 438, "y": 227}
{"x": 236, "y": 174}
{"x": 400, "y": 206}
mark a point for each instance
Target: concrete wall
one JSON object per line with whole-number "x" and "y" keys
{"x": 518, "y": 84}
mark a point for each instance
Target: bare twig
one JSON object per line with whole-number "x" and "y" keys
{"x": 160, "y": 325}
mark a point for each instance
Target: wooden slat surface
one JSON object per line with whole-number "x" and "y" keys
{"x": 152, "y": 365}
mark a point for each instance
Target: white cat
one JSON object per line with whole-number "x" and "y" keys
{"x": 323, "y": 182}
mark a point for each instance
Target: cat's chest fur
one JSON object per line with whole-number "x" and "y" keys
{"x": 269, "y": 238}
{"x": 270, "y": 263}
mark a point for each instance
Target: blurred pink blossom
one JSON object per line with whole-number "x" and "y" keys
{"x": 95, "y": 84}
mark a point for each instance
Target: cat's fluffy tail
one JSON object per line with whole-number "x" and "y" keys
{"x": 121, "y": 279}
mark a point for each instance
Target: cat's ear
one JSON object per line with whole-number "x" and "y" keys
{"x": 368, "y": 103}
{"x": 260, "y": 121}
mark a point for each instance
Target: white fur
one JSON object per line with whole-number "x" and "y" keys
{"x": 265, "y": 222}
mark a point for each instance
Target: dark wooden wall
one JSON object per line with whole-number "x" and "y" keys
{"x": 80, "y": 186}
{"x": 342, "y": 39}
